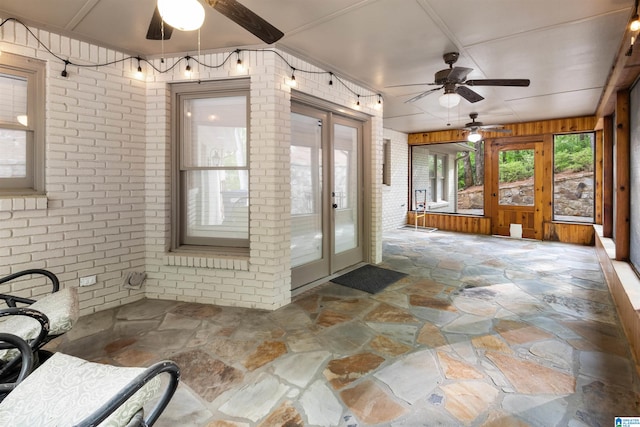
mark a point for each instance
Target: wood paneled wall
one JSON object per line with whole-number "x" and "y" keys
{"x": 522, "y": 132}
{"x": 575, "y": 124}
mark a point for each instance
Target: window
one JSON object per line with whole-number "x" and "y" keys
{"x": 451, "y": 174}
{"x": 573, "y": 181}
{"x": 211, "y": 187}
{"x": 21, "y": 125}
{"x": 386, "y": 162}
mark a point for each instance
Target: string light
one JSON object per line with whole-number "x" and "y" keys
{"x": 139, "y": 73}
{"x": 188, "y": 69}
{"x": 378, "y": 105}
{"x": 239, "y": 65}
{"x": 64, "y": 72}
{"x": 292, "y": 81}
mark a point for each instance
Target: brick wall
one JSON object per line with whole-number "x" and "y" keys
{"x": 395, "y": 204}
{"x": 107, "y": 207}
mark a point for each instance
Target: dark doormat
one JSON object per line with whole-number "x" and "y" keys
{"x": 369, "y": 278}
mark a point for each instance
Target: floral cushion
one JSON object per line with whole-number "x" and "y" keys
{"x": 66, "y": 389}
{"x": 62, "y": 309}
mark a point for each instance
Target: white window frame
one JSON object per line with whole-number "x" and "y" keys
{"x": 34, "y": 71}
{"x": 180, "y": 92}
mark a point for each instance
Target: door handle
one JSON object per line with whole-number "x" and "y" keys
{"x": 335, "y": 206}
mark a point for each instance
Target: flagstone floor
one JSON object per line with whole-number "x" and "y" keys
{"x": 483, "y": 331}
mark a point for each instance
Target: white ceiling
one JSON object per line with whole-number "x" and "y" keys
{"x": 567, "y": 48}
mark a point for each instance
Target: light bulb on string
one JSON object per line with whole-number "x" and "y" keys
{"x": 292, "y": 81}
{"x": 139, "y": 72}
{"x": 187, "y": 70}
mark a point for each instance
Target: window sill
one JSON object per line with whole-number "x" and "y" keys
{"x": 12, "y": 203}
{"x": 438, "y": 205}
{"x": 184, "y": 258}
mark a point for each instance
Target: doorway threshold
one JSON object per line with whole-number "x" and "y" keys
{"x": 309, "y": 286}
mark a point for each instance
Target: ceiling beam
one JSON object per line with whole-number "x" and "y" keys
{"x": 625, "y": 71}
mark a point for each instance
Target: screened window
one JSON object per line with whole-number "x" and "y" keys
{"x": 211, "y": 200}
{"x": 449, "y": 176}
{"x": 21, "y": 125}
{"x": 573, "y": 179}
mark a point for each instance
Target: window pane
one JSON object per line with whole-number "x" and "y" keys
{"x": 573, "y": 185}
{"x": 306, "y": 189}
{"x": 13, "y": 93}
{"x": 345, "y": 176}
{"x": 13, "y": 153}
{"x": 215, "y": 132}
{"x": 515, "y": 172}
{"x": 470, "y": 174}
{"x": 217, "y": 204}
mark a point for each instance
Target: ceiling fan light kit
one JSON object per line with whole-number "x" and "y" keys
{"x": 474, "y": 136}
{"x": 449, "y": 100}
{"x": 183, "y": 15}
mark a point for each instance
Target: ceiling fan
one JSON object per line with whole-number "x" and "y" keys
{"x": 233, "y": 10}
{"x": 453, "y": 80}
{"x": 474, "y": 127}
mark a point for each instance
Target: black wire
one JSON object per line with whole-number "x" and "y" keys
{"x": 187, "y": 58}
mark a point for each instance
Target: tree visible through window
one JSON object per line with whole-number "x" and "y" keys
{"x": 573, "y": 180}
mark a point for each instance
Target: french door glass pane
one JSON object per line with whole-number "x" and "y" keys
{"x": 515, "y": 172}
{"x": 217, "y": 204}
{"x": 345, "y": 178}
{"x": 13, "y": 153}
{"x": 306, "y": 190}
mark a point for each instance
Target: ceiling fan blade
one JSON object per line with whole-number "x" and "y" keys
{"x": 411, "y": 84}
{"x": 468, "y": 94}
{"x": 458, "y": 74}
{"x": 499, "y": 82}
{"x": 247, "y": 19}
{"x": 422, "y": 95}
{"x": 155, "y": 27}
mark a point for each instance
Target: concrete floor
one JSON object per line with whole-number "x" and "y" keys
{"x": 483, "y": 331}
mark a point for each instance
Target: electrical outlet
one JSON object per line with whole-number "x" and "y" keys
{"x": 88, "y": 280}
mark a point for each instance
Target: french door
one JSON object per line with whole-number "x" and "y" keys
{"x": 326, "y": 194}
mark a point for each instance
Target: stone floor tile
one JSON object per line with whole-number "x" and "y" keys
{"x": 608, "y": 368}
{"x": 328, "y": 318}
{"x": 503, "y": 419}
{"x": 491, "y": 343}
{"x": 184, "y": 409}
{"x": 456, "y": 369}
{"x": 141, "y": 311}
{"x": 467, "y": 400}
{"x": 412, "y": 377}
{"x": 371, "y": 404}
{"x": 205, "y": 375}
{"x": 469, "y": 324}
{"x": 388, "y": 346}
{"x": 390, "y": 314}
{"x": 255, "y": 400}
{"x": 342, "y": 372}
{"x": 530, "y": 317}
{"x": 431, "y": 336}
{"x": 515, "y": 332}
{"x": 197, "y": 311}
{"x": 300, "y": 368}
{"x": 531, "y": 378}
{"x": 556, "y": 353}
{"x": 320, "y": 405}
{"x": 265, "y": 353}
{"x": 400, "y": 331}
{"x": 545, "y": 411}
{"x": 284, "y": 415}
